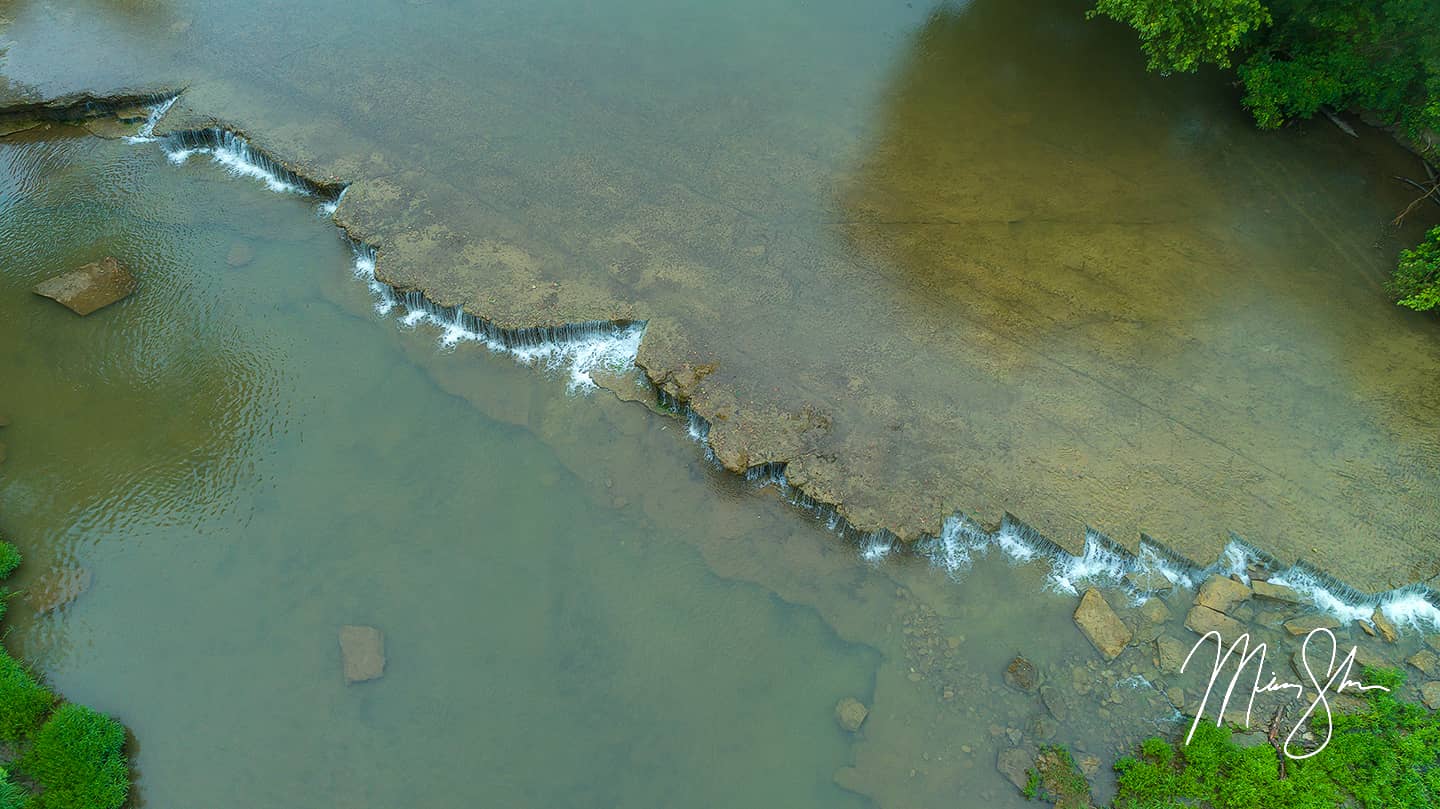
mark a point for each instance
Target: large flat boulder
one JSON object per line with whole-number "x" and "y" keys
{"x": 1101, "y": 625}
{"x": 1202, "y": 620}
{"x": 363, "y": 648}
{"x": 1222, "y": 594}
{"x": 92, "y": 287}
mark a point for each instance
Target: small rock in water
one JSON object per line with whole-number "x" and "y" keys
{"x": 363, "y": 648}
{"x": 240, "y": 254}
{"x": 2, "y": 453}
{"x": 1170, "y": 654}
{"x": 1275, "y": 592}
{"x": 1021, "y": 674}
{"x": 1155, "y": 611}
{"x": 1101, "y": 625}
{"x": 1222, "y": 594}
{"x": 1014, "y": 764}
{"x": 57, "y": 588}
{"x": 4, "y": 420}
{"x": 92, "y": 287}
{"x": 850, "y": 714}
{"x": 1306, "y": 624}
{"x": 1385, "y": 625}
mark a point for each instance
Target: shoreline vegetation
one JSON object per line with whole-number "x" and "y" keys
{"x": 1383, "y": 755}
{"x": 53, "y": 754}
{"x": 1376, "y": 59}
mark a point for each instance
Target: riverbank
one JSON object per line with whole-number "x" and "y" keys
{"x": 53, "y": 754}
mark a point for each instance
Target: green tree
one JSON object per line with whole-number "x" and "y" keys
{"x": 1178, "y": 36}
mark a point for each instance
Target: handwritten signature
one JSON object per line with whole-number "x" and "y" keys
{"x": 1337, "y": 680}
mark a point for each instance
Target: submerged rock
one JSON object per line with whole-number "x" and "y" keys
{"x": 1021, "y": 674}
{"x": 1015, "y": 764}
{"x": 240, "y": 254}
{"x": 1222, "y": 594}
{"x": 1101, "y": 625}
{"x": 57, "y": 588}
{"x": 92, "y": 287}
{"x": 1170, "y": 654}
{"x": 1430, "y": 694}
{"x": 363, "y": 648}
{"x": 1426, "y": 661}
{"x": 1306, "y": 624}
{"x": 1202, "y": 620}
{"x": 850, "y": 714}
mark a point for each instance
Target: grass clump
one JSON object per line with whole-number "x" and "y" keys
{"x": 78, "y": 761}
{"x": 74, "y": 755}
{"x": 12, "y": 795}
{"x": 1386, "y": 756}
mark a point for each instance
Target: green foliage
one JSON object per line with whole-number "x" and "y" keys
{"x": 1032, "y": 784}
{"x": 1384, "y": 757}
{"x": 1178, "y": 37}
{"x": 12, "y": 795}
{"x": 9, "y": 559}
{"x": 78, "y": 760}
{"x": 1417, "y": 278}
{"x": 1381, "y": 57}
{"x": 23, "y": 702}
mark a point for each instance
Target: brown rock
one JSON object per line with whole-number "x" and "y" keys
{"x": 1222, "y": 594}
{"x": 93, "y": 286}
{"x": 1306, "y": 624}
{"x": 1201, "y": 620}
{"x": 57, "y": 588}
{"x": 850, "y": 714}
{"x": 363, "y": 648}
{"x": 1430, "y": 695}
{"x": 1276, "y": 592}
{"x": 1385, "y": 626}
{"x": 1101, "y": 625}
{"x": 1426, "y": 661}
{"x": 1170, "y": 653}
{"x": 4, "y": 420}
{"x": 240, "y": 254}
{"x": 1021, "y": 674}
{"x": 1155, "y": 611}
{"x": 1014, "y": 763}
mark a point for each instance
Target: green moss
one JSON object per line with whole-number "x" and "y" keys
{"x": 1384, "y": 757}
{"x": 78, "y": 760}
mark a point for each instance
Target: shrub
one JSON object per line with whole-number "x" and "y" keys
{"x": 78, "y": 760}
{"x": 23, "y": 702}
{"x": 1417, "y": 278}
{"x": 1384, "y": 757}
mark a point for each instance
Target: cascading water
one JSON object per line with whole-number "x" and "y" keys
{"x": 584, "y": 348}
